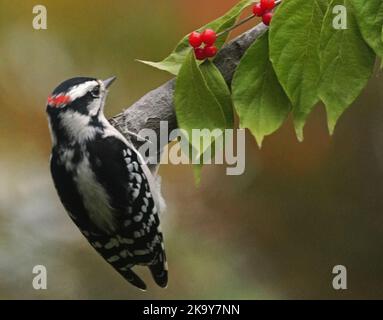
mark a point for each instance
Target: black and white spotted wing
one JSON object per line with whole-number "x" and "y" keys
{"x": 136, "y": 238}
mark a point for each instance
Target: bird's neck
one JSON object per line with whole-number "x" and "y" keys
{"x": 73, "y": 128}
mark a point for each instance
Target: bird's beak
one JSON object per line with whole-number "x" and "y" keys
{"x": 108, "y": 82}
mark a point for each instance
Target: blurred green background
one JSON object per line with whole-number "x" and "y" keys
{"x": 274, "y": 232}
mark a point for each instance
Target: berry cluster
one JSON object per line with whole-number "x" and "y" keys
{"x": 203, "y": 44}
{"x": 263, "y": 9}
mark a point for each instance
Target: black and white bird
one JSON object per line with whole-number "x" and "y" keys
{"x": 103, "y": 182}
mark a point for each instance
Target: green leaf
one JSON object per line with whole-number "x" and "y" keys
{"x": 201, "y": 103}
{"x": 347, "y": 63}
{"x": 175, "y": 60}
{"x": 216, "y": 83}
{"x": 260, "y": 101}
{"x": 381, "y": 60}
{"x": 294, "y": 52}
{"x": 219, "y": 88}
{"x": 369, "y": 15}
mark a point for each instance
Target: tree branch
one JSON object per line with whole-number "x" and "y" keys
{"x": 157, "y": 105}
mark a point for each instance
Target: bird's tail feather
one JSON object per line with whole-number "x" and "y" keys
{"x": 159, "y": 271}
{"x": 133, "y": 278}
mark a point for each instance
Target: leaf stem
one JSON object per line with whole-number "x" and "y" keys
{"x": 241, "y": 22}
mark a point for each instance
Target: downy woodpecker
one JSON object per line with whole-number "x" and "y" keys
{"x": 103, "y": 182}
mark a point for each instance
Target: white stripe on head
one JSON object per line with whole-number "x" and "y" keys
{"x": 81, "y": 90}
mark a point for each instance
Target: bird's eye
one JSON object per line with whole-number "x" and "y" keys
{"x": 96, "y": 92}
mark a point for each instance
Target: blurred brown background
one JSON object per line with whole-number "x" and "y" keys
{"x": 274, "y": 232}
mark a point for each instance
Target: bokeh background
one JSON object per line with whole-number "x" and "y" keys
{"x": 274, "y": 232}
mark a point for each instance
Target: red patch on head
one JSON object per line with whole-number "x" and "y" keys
{"x": 57, "y": 101}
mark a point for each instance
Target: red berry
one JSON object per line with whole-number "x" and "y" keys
{"x": 209, "y": 37}
{"x": 258, "y": 10}
{"x": 267, "y": 4}
{"x": 266, "y": 18}
{"x": 200, "y": 53}
{"x": 195, "y": 39}
{"x": 211, "y": 51}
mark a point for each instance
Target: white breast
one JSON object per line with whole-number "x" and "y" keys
{"x": 95, "y": 198}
